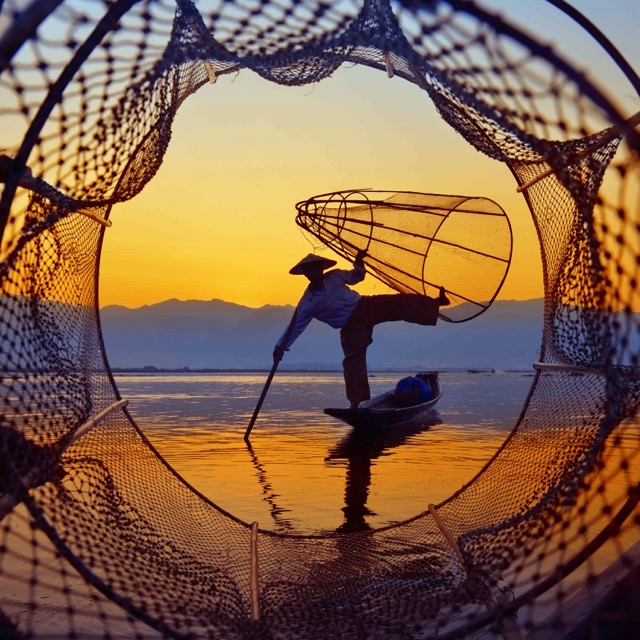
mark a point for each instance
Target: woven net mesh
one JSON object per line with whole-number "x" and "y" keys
{"x": 417, "y": 242}
{"x": 88, "y": 93}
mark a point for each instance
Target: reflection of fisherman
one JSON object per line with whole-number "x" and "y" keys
{"x": 330, "y": 300}
{"x": 356, "y": 493}
{"x": 360, "y": 449}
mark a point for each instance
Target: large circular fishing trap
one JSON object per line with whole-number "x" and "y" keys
{"x": 418, "y": 242}
{"x": 88, "y": 94}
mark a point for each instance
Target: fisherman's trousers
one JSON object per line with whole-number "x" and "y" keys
{"x": 357, "y": 333}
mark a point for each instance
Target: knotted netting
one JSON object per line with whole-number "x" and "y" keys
{"x": 90, "y": 512}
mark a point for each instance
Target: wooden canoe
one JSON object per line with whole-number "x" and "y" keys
{"x": 382, "y": 412}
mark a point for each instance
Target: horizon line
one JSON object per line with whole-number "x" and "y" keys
{"x": 240, "y": 304}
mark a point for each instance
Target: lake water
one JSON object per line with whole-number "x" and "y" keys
{"x": 304, "y": 472}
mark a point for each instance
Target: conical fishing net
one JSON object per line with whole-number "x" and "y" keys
{"x": 92, "y": 514}
{"x": 418, "y": 242}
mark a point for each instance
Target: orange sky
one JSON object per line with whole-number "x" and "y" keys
{"x": 217, "y": 221}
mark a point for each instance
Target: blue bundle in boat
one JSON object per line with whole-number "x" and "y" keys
{"x": 411, "y": 391}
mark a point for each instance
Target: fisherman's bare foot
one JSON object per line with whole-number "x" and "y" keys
{"x": 443, "y": 300}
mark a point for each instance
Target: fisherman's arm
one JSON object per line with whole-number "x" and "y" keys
{"x": 300, "y": 321}
{"x": 358, "y": 272}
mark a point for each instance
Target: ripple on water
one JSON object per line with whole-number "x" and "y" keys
{"x": 304, "y": 471}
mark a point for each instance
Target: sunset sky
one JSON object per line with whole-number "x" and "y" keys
{"x": 217, "y": 221}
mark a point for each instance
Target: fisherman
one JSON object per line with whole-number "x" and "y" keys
{"x": 330, "y": 300}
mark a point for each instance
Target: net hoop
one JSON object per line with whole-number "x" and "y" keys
{"x": 414, "y": 244}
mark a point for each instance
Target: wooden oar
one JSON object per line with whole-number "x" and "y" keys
{"x": 269, "y": 379}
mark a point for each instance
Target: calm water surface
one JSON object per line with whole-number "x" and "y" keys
{"x": 304, "y": 471}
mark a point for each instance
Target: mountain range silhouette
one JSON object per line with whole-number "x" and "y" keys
{"x": 215, "y": 334}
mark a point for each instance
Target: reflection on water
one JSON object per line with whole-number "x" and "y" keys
{"x": 359, "y": 450}
{"x": 306, "y": 472}
{"x": 269, "y": 495}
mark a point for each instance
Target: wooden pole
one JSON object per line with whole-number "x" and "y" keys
{"x": 254, "y": 587}
{"x": 507, "y": 626}
{"x": 269, "y": 379}
{"x": 261, "y": 400}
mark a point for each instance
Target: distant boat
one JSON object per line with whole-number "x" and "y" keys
{"x": 383, "y": 411}
{"x": 481, "y": 370}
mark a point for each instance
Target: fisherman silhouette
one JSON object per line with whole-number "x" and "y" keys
{"x": 329, "y": 299}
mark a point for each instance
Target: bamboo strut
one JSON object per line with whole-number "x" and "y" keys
{"x": 508, "y": 626}
{"x": 33, "y": 477}
{"x": 202, "y": 31}
{"x": 254, "y": 587}
{"x": 92, "y": 422}
{"x": 388, "y": 65}
{"x": 207, "y": 64}
{"x": 553, "y": 366}
{"x": 530, "y": 183}
{"x": 210, "y": 72}
{"x": 446, "y": 532}
{"x": 93, "y": 216}
{"x": 632, "y": 122}
{"x": 42, "y": 188}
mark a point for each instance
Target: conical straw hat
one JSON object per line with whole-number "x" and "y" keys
{"x": 297, "y": 270}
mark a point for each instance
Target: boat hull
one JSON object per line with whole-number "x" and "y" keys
{"x": 382, "y": 413}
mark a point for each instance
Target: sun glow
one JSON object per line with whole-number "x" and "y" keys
{"x": 218, "y": 219}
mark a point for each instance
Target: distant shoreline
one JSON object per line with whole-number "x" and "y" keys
{"x": 150, "y": 371}
{"x": 154, "y": 370}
